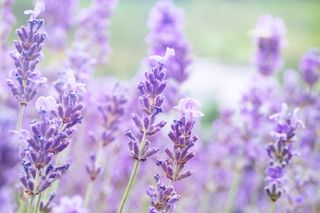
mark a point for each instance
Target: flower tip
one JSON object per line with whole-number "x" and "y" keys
{"x": 39, "y": 8}
{"x": 170, "y": 52}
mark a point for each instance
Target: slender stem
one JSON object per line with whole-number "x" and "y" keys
{"x": 29, "y": 210}
{"x": 129, "y": 186}
{"x": 273, "y": 207}
{"x": 37, "y": 184}
{"x": 88, "y": 194}
{"x": 90, "y": 185}
{"x": 20, "y": 116}
{"x": 233, "y": 191}
{"x": 37, "y": 203}
{"x": 21, "y": 206}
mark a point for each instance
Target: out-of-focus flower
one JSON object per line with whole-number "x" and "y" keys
{"x": 269, "y": 36}
{"x": 166, "y": 25}
{"x": 38, "y": 9}
{"x": 163, "y": 197}
{"x": 46, "y": 104}
{"x": 67, "y": 81}
{"x": 70, "y": 205}
{"x": 92, "y": 35}
{"x": 189, "y": 108}
{"x": 310, "y": 66}
{"x": 163, "y": 59}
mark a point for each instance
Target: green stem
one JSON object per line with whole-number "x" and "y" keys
{"x": 30, "y": 204}
{"x": 37, "y": 203}
{"x": 21, "y": 206}
{"x": 233, "y": 192}
{"x": 129, "y": 186}
{"x": 20, "y": 116}
{"x": 273, "y": 207}
{"x": 133, "y": 173}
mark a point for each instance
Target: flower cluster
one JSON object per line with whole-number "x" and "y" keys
{"x": 281, "y": 152}
{"x": 181, "y": 136}
{"x": 25, "y": 80}
{"x": 166, "y": 24}
{"x": 162, "y": 197}
{"x": 93, "y": 28}
{"x": 269, "y": 35}
{"x": 151, "y": 101}
{"x": 310, "y": 66}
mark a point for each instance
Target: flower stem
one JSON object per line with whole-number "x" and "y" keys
{"x": 233, "y": 192}
{"x": 29, "y": 210}
{"x": 37, "y": 203}
{"x": 273, "y": 207}
{"x": 129, "y": 186}
{"x": 133, "y": 173}
{"x": 20, "y": 116}
{"x": 90, "y": 185}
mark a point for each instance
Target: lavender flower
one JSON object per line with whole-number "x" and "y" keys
{"x": 181, "y": 136}
{"x": 163, "y": 197}
{"x": 59, "y": 15}
{"x": 269, "y": 37}
{"x": 92, "y": 35}
{"x": 281, "y": 152}
{"x": 151, "y": 101}
{"x": 49, "y": 136}
{"x": 24, "y": 81}
{"x": 166, "y": 25}
{"x": 310, "y": 66}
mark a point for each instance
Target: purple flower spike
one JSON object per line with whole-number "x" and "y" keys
{"x": 163, "y": 198}
{"x": 310, "y": 66}
{"x": 25, "y": 80}
{"x": 166, "y": 25}
{"x": 269, "y": 36}
{"x": 151, "y": 101}
{"x": 280, "y": 152}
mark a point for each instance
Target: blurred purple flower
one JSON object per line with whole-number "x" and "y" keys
{"x": 310, "y": 66}
{"x": 70, "y": 205}
{"x": 92, "y": 34}
{"x": 189, "y": 108}
{"x": 269, "y": 36}
{"x": 166, "y": 25}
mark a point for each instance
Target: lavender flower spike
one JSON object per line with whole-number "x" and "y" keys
{"x": 166, "y": 22}
{"x": 182, "y": 138}
{"x": 151, "y": 100}
{"x": 280, "y": 152}
{"x": 162, "y": 198}
{"x": 24, "y": 81}
{"x": 269, "y": 37}
{"x": 310, "y": 66}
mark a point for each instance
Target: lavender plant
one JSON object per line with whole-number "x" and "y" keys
{"x": 151, "y": 100}
{"x": 280, "y": 152}
{"x": 24, "y": 81}
{"x": 269, "y": 36}
{"x": 164, "y": 197}
{"x": 51, "y": 163}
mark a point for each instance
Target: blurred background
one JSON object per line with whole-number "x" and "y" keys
{"x": 218, "y": 32}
